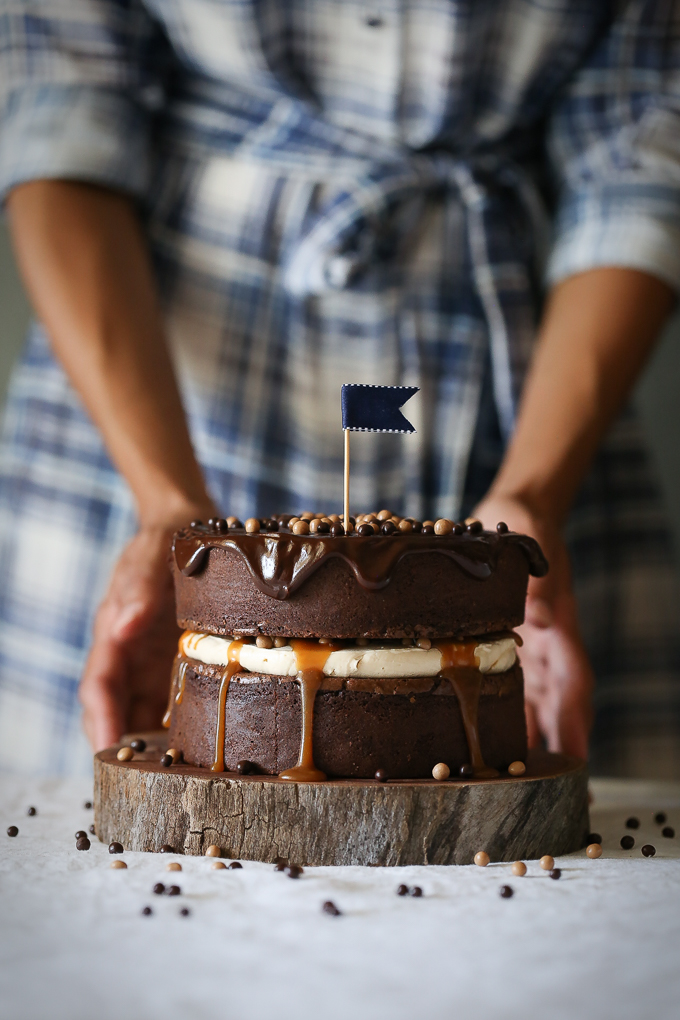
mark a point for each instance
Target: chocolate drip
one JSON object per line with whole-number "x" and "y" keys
{"x": 310, "y": 658}
{"x": 466, "y": 680}
{"x": 178, "y": 678}
{"x": 280, "y": 563}
{"x": 233, "y": 666}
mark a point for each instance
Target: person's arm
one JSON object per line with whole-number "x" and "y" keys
{"x": 84, "y": 260}
{"x": 597, "y": 331}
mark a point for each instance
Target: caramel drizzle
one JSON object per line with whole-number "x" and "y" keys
{"x": 177, "y": 682}
{"x": 310, "y": 658}
{"x": 460, "y": 668}
{"x": 233, "y": 666}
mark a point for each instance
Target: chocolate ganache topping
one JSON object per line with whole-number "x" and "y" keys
{"x": 280, "y": 562}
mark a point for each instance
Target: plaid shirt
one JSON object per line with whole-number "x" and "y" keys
{"x": 333, "y": 196}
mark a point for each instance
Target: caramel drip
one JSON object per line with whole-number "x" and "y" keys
{"x": 178, "y": 678}
{"x": 460, "y": 669}
{"x": 280, "y": 563}
{"x": 310, "y": 658}
{"x": 233, "y": 666}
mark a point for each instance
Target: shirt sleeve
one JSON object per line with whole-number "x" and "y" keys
{"x": 614, "y": 149}
{"x": 79, "y": 83}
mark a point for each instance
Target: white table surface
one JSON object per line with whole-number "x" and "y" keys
{"x": 602, "y": 942}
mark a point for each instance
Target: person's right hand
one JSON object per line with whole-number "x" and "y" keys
{"x": 127, "y": 675}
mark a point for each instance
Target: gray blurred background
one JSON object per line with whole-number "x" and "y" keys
{"x": 658, "y": 393}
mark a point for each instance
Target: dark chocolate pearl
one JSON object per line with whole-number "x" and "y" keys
{"x": 12, "y": 831}
{"x": 330, "y": 908}
{"x": 166, "y": 761}
{"x": 32, "y": 812}
{"x": 388, "y": 528}
{"x": 87, "y": 805}
{"x": 283, "y": 520}
{"x": 244, "y": 767}
{"x": 235, "y": 864}
{"x": 146, "y": 911}
{"x": 159, "y": 889}
{"x": 196, "y": 524}
{"x": 81, "y": 834}
{"x": 115, "y": 847}
{"x": 93, "y": 830}
{"x": 235, "y": 524}
{"x": 594, "y": 837}
{"x": 428, "y": 529}
{"x": 174, "y": 890}
{"x": 221, "y": 525}
{"x": 458, "y": 529}
{"x": 466, "y": 771}
{"x": 633, "y": 823}
{"x": 83, "y": 843}
{"x": 627, "y": 842}
{"x": 381, "y": 776}
{"x": 270, "y": 525}
{"x": 555, "y": 873}
{"x": 138, "y": 745}
{"x": 660, "y": 817}
{"x": 323, "y": 528}
{"x": 364, "y": 530}
{"x": 416, "y": 526}
{"x": 668, "y": 831}
{"x": 474, "y": 528}
{"x": 294, "y": 871}
{"x": 402, "y": 890}
{"x": 211, "y": 522}
{"x": 501, "y": 528}
{"x": 280, "y": 864}
{"x": 648, "y": 850}
{"x": 337, "y": 530}
{"x": 506, "y": 891}
{"x": 184, "y": 912}
{"x": 374, "y": 21}
{"x": 166, "y": 849}
{"x": 416, "y": 891}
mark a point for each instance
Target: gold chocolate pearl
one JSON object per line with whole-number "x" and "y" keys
{"x": 306, "y": 516}
{"x": 335, "y": 518}
{"x": 280, "y": 642}
{"x": 519, "y": 868}
{"x": 547, "y": 862}
{"x": 594, "y": 850}
{"x": 428, "y": 524}
{"x": 175, "y": 754}
{"x": 396, "y": 520}
{"x": 213, "y": 851}
{"x": 314, "y": 526}
{"x": 125, "y": 754}
{"x": 118, "y": 865}
{"x": 173, "y": 866}
{"x": 293, "y": 521}
{"x": 482, "y": 859}
{"x": 385, "y": 515}
{"x": 443, "y": 526}
{"x": 218, "y": 865}
{"x": 441, "y": 771}
{"x": 517, "y": 768}
{"x": 263, "y": 641}
{"x": 405, "y": 526}
{"x": 252, "y": 525}
{"x": 301, "y": 528}
{"x": 424, "y": 642}
{"x": 232, "y": 521}
{"x": 319, "y": 517}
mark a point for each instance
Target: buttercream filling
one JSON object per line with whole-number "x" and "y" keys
{"x": 375, "y": 661}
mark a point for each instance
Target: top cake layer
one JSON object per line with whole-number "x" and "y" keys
{"x": 402, "y": 583}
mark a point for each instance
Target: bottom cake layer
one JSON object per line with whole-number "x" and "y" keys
{"x": 402, "y": 726}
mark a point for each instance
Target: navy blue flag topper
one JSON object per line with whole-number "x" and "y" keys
{"x": 376, "y": 408}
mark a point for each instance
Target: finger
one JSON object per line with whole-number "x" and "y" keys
{"x": 101, "y": 694}
{"x": 533, "y": 732}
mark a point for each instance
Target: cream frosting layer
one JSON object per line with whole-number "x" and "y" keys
{"x": 372, "y": 662}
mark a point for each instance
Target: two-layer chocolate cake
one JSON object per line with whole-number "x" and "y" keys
{"x": 311, "y": 653}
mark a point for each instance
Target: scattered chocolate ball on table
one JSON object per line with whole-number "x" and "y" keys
{"x": 125, "y": 754}
{"x": 660, "y": 817}
{"x": 482, "y": 859}
{"x": 138, "y": 745}
{"x": 218, "y": 866}
{"x": 555, "y": 873}
{"x": 175, "y": 754}
{"x": 668, "y": 831}
{"x": 594, "y": 850}
{"x": 547, "y": 862}
{"x": 466, "y": 772}
{"x": 83, "y": 844}
{"x": 213, "y": 851}
{"x": 402, "y": 890}
{"x": 81, "y": 834}
{"x": 244, "y": 768}
{"x": 12, "y": 830}
{"x": 506, "y": 891}
{"x": 235, "y": 865}
{"x": 115, "y": 847}
{"x": 32, "y": 812}
{"x": 173, "y": 866}
{"x": 166, "y": 849}
{"x": 87, "y": 805}
{"x": 294, "y": 870}
{"x": 330, "y": 908}
{"x": 118, "y": 865}
{"x": 416, "y": 891}
{"x": 633, "y": 823}
{"x": 174, "y": 890}
{"x": 441, "y": 771}
{"x": 627, "y": 842}
{"x": 92, "y": 830}
{"x": 519, "y": 868}
{"x": 648, "y": 850}
{"x": 517, "y": 768}
{"x": 593, "y": 837}
{"x": 381, "y": 776}
{"x": 166, "y": 761}
{"x": 146, "y": 911}
{"x": 184, "y": 912}
{"x": 158, "y": 889}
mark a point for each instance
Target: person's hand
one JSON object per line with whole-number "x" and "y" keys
{"x": 557, "y": 674}
{"x": 127, "y": 675}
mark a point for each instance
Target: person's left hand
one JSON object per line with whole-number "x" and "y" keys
{"x": 558, "y": 677}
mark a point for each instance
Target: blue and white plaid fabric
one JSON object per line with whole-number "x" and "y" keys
{"x": 334, "y": 195}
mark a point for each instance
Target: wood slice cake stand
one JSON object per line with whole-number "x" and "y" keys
{"x": 344, "y": 821}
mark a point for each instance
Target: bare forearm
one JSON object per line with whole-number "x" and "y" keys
{"x": 596, "y": 335}
{"x": 86, "y": 267}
